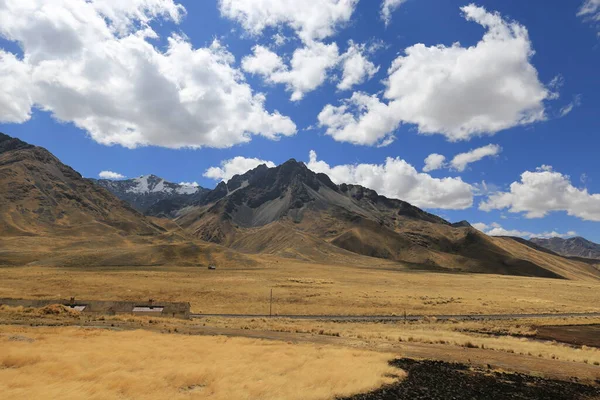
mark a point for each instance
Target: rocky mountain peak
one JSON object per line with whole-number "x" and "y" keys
{"x": 462, "y": 224}
{"x": 8, "y": 143}
{"x": 582, "y": 241}
{"x": 264, "y": 195}
{"x": 571, "y": 247}
{"x": 152, "y": 194}
{"x": 274, "y": 180}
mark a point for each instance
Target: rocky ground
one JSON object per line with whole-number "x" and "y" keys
{"x": 435, "y": 380}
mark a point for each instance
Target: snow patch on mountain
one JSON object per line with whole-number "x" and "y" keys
{"x": 243, "y": 185}
{"x": 153, "y": 184}
{"x": 144, "y": 192}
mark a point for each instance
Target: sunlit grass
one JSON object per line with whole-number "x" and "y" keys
{"x": 302, "y": 288}
{"x": 504, "y": 334}
{"x": 78, "y": 363}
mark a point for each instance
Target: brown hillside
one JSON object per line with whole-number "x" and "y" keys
{"x": 566, "y": 267}
{"x": 40, "y": 195}
{"x": 50, "y": 215}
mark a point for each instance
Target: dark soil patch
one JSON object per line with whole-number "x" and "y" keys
{"x": 437, "y": 380}
{"x": 579, "y": 335}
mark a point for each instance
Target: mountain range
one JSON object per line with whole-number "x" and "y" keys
{"x": 285, "y": 212}
{"x": 50, "y": 215}
{"x": 152, "y": 195}
{"x": 571, "y": 247}
{"x": 290, "y": 211}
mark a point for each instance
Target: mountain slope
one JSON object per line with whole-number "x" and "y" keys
{"x": 152, "y": 195}
{"x": 572, "y": 247}
{"x": 566, "y": 267}
{"x": 51, "y": 216}
{"x": 293, "y": 212}
{"x": 39, "y": 194}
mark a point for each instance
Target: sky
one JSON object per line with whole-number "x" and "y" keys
{"x": 485, "y": 111}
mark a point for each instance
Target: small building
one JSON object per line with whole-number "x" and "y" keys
{"x": 163, "y": 309}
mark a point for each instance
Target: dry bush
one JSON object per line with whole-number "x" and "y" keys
{"x": 77, "y": 363}
{"x": 57, "y": 309}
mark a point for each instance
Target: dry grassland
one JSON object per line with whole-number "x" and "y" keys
{"x": 81, "y": 363}
{"x": 516, "y": 336}
{"x": 507, "y": 336}
{"x": 304, "y": 288}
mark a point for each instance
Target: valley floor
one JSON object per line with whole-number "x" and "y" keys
{"x": 92, "y": 356}
{"x": 75, "y": 356}
{"x": 305, "y": 288}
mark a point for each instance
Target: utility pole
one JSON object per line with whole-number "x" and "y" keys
{"x": 271, "y": 304}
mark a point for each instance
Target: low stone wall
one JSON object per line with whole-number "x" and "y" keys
{"x": 154, "y": 308}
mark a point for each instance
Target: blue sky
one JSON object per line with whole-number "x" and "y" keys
{"x": 66, "y": 111}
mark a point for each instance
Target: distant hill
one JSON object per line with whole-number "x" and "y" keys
{"x": 152, "y": 195}
{"x": 573, "y": 247}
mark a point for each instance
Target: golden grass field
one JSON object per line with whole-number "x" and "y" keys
{"x": 81, "y": 363}
{"x": 492, "y": 335}
{"x": 305, "y": 288}
{"x": 475, "y": 342}
{"x": 75, "y": 359}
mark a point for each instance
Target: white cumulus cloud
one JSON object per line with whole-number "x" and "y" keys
{"x": 310, "y": 65}
{"x": 388, "y": 7}
{"x": 462, "y": 160}
{"x": 434, "y": 162}
{"x": 543, "y": 191}
{"x": 92, "y": 63}
{"x": 235, "y": 166}
{"x": 456, "y": 91}
{"x": 190, "y": 184}
{"x": 307, "y": 71}
{"x": 361, "y": 120}
{"x": 496, "y": 229}
{"x": 111, "y": 175}
{"x": 15, "y": 89}
{"x": 398, "y": 179}
{"x": 356, "y": 67}
{"x": 466, "y": 91}
{"x": 310, "y": 19}
{"x": 263, "y": 61}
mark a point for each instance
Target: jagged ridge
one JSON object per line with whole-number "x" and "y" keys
{"x": 250, "y": 212}
{"x": 572, "y": 247}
